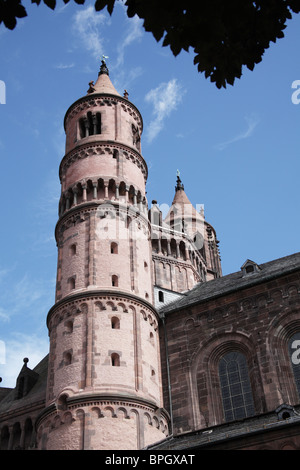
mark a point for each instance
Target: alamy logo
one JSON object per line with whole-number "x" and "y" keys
{"x": 2, "y": 92}
{"x": 295, "y": 95}
{"x": 296, "y": 354}
{"x": 2, "y": 352}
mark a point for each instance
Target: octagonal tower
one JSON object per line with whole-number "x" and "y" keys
{"x": 104, "y": 378}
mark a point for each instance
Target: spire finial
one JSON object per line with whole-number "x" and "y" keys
{"x": 179, "y": 184}
{"x": 103, "y": 68}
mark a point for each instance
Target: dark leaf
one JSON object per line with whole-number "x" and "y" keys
{"x": 110, "y": 6}
{"x": 50, "y": 3}
{"x": 100, "y": 4}
{"x": 10, "y": 22}
{"x": 20, "y": 12}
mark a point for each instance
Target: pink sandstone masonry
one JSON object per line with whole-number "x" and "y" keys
{"x": 104, "y": 376}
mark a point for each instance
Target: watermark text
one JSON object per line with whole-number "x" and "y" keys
{"x": 2, "y": 92}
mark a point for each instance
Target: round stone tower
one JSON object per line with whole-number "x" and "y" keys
{"x": 104, "y": 379}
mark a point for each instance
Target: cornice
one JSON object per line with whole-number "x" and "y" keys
{"x": 98, "y": 294}
{"x": 81, "y": 211}
{"x": 86, "y": 149}
{"x": 103, "y": 399}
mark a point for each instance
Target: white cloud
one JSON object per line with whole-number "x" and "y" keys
{"x": 164, "y": 99}
{"x": 252, "y": 122}
{"x": 134, "y": 33}
{"x": 64, "y": 66}
{"x": 87, "y": 28}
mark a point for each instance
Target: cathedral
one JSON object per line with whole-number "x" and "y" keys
{"x": 150, "y": 346}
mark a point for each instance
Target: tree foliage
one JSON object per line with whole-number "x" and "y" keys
{"x": 225, "y": 35}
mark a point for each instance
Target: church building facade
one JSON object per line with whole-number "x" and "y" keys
{"x": 150, "y": 347}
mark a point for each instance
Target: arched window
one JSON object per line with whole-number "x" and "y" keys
{"x": 98, "y": 123}
{"x": 72, "y": 250}
{"x": 82, "y": 128}
{"x": 89, "y": 125}
{"x": 62, "y": 402}
{"x": 115, "y": 323}
{"x": 72, "y": 283}
{"x": 67, "y": 358}
{"x": 69, "y": 326}
{"x": 114, "y": 248}
{"x": 115, "y": 360}
{"x": 294, "y": 353}
{"x": 114, "y": 281}
{"x": 235, "y": 386}
{"x": 151, "y": 338}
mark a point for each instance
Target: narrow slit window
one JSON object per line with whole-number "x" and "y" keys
{"x": 67, "y": 358}
{"x": 115, "y": 360}
{"x": 90, "y": 123}
{"x": 69, "y": 326}
{"x": 152, "y": 338}
{"x": 115, "y": 323}
{"x": 114, "y": 281}
{"x": 72, "y": 250}
{"x": 114, "y": 248}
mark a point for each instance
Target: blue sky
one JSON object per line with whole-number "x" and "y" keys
{"x": 237, "y": 149}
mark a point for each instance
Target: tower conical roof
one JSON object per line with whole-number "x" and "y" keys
{"x": 103, "y": 83}
{"x": 181, "y": 200}
{"x": 182, "y": 209}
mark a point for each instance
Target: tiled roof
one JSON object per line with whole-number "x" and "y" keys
{"x": 232, "y": 282}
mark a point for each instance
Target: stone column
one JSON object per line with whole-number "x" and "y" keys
{"x": 95, "y": 185}
{"x": 75, "y": 193}
{"x": 84, "y": 195}
{"x": 106, "y": 189}
{"x": 94, "y": 124}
